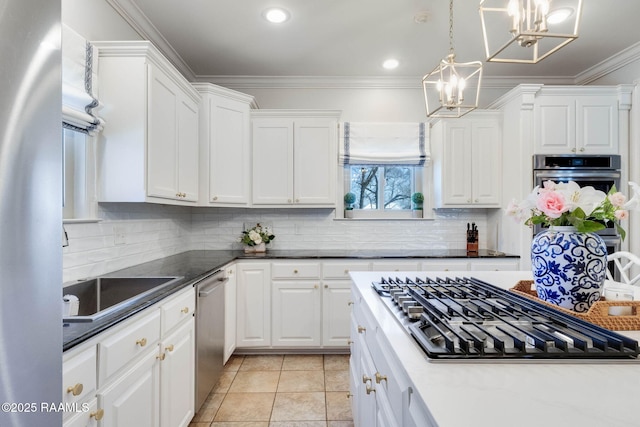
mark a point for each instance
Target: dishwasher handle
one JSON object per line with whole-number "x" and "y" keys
{"x": 217, "y": 281}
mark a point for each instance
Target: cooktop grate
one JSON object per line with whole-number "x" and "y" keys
{"x": 472, "y": 319}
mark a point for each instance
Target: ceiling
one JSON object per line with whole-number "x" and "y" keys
{"x": 351, "y": 38}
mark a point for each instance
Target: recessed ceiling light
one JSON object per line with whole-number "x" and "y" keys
{"x": 390, "y": 64}
{"x": 276, "y": 15}
{"x": 559, "y": 15}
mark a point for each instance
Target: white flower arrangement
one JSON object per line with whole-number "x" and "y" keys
{"x": 587, "y": 209}
{"x": 257, "y": 235}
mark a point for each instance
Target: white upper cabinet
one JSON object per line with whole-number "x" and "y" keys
{"x": 467, "y": 161}
{"x": 584, "y": 124}
{"x": 149, "y": 147}
{"x": 294, "y": 158}
{"x": 225, "y": 146}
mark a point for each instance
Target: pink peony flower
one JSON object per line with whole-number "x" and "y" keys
{"x": 617, "y": 199}
{"x": 552, "y": 204}
{"x": 621, "y": 214}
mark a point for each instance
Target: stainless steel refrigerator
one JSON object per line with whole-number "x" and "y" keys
{"x": 30, "y": 212}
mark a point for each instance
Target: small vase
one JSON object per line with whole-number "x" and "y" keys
{"x": 416, "y": 213}
{"x": 255, "y": 249}
{"x": 569, "y": 268}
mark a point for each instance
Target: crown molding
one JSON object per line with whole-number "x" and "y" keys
{"x": 609, "y": 65}
{"x": 131, "y": 13}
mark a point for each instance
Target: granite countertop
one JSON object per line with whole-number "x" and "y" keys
{"x": 194, "y": 265}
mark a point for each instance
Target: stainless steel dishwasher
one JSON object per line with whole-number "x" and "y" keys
{"x": 209, "y": 333}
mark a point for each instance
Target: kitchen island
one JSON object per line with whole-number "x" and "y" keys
{"x": 413, "y": 390}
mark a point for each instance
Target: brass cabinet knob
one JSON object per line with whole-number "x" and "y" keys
{"x": 573, "y": 150}
{"x": 295, "y": 271}
{"x": 370, "y": 389}
{"x": 170, "y": 348}
{"x": 361, "y": 329}
{"x": 582, "y": 150}
{"x": 98, "y": 415}
{"x": 346, "y": 271}
{"x": 349, "y": 395}
{"x": 297, "y": 200}
{"x": 76, "y": 390}
{"x": 185, "y": 310}
{"x": 365, "y": 379}
{"x": 142, "y": 342}
{"x": 350, "y": 303}
{"x": 288, "y": 200}
{"x": 476, "y": 201}
{"x": 215, "y": 197}
{"x": 177, "y": 194}
{"x": 380, "y": 378}
{"x": 161, "y": 356}
{"x": 349, "y": 342}
{"x": 326, "y": 286}
{"x": 315, "y": 286}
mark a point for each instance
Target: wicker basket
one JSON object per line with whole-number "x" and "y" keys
{"x": 598, "y": 313}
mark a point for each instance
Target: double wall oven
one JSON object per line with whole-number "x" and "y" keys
{"x": 599, "y": 171}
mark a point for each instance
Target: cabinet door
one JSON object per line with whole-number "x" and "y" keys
{"x": 133, "y": 399}
{"x": 597, "y": 125}
{"x": 254, "y": 305}
{"x": 336, "y": 312}
{"x": 188, "y": 150}
{"x": 162, "y": 135}
{"x": 456, "y": 180}
{"x": 272, "y": 161}
{"x": 315, "y": 142}
{"x": 296, "y": 313}
{"x": 177, "y": 377}
{"x": 229, "y": 152}
{"x": 486, "y": 166}
{"x": 555, "y": 124}
{"x": 230, "y": 303}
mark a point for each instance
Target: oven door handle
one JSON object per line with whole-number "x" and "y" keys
{"x": 565, "y": 174}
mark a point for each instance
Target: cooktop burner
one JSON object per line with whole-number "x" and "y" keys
{"x": 469, "y": 318}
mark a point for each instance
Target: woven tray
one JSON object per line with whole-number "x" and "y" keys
{"x": 598, "y": 313}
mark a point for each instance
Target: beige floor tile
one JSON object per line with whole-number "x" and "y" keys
{"x": 192, "y": 424}
{"x": 262, "y": 363}
{"x": 301, "y": 381}
{"x": 241, "y": 424}
{"x": 245, "y": 407}
{"x": 336, "y": 380}
{"x": 209, "y": 408}
{"x": 223, "y": 384}
{"x": 338, "y": 406}
{"x": 255, "y": 382}
{"x": 298, "y": 424}
{"x": 234, "y": 362}
{"x": 336, "y": 362}
{"x": 299, "y": 407}
{"x": 303, "y": 362}
{"x": 339, "y": 424}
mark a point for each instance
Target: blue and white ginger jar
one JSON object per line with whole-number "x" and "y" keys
{"x": 569, "y": 268}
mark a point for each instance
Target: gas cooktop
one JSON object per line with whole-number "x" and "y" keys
{"x": 466, "y": 318}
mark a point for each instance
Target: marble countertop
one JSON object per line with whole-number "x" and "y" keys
{"x": 193, "y": 265}
{"x": 522, "y": 393}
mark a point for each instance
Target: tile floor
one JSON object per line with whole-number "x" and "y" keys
{"x": 280, "y": 391}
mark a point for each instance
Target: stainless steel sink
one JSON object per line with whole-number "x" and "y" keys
{"x": 104, "y": 295}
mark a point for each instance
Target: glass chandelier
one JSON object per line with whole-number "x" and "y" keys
{"x": 527, "y": 31}
{"x": 444, "y": 87}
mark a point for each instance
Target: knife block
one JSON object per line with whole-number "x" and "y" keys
{"x": 472, "y": 240}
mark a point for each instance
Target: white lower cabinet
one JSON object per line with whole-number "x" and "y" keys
{"x": 336, "y": 308}
{"x": 296, "y": 308}
{"x": 254, "y": 304}
{"x": 230, "y": 302}
{"x": 138, "y": 373}
{"x": 133, "y": 398}
{"x": 380, "y": 389}
{"x": 177, "y": 390}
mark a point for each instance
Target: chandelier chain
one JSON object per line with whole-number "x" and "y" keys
{"x": 450, "y": 26}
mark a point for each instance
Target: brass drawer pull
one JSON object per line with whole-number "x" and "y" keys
{"x": 142, "y": 342}
{"x": 361, "y": 329}
{"x": 76, "y": 390}
{"x": 170, "y": 348}
{"x": 98, "y": 415}
{"x": 185, "y": 310}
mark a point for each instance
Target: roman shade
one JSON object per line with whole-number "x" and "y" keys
{"x": 79, "y": 72}
{"x": 384, "y": 144}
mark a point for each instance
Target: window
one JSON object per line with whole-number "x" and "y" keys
{"x": 382, "y": 187}
{"x": 78, "y": 177}
{"x": 383, "y": 191}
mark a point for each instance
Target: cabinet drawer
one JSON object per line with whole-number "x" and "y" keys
{"x": 79, "y": 375}
{"x": 86, "y": 415}
{"x": 130, "y": 340}
{"x": 295, "y": 270}
{"x": 177, "y": 309}
{"x": 340, "y": 270}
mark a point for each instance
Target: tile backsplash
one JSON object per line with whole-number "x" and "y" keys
{"x": 133, "y": 233}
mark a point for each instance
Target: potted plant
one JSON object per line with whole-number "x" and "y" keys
{"x": 256, "y": 238}
{"x": 349, "y": 200}
{"x": 418, "y": 200}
